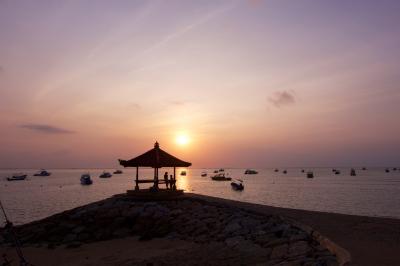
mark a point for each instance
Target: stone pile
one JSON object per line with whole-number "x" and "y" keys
{"x": 270, "y": 238}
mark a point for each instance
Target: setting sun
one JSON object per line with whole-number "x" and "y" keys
{"x": 182, "y": 139}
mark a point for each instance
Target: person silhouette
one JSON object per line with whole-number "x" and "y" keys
{"x": 172, "y": 182}
{"x": 166, "y": 179}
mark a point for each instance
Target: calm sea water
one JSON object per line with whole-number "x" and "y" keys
{"x": 372, "y": 192}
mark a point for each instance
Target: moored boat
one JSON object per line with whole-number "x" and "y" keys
{"x": 105, "y": 175}
{"x": 237, "y": 185}
{"x": 310, "y": 174}
{"x": 215, "y": 171}
{"x": 42, "y": 173}
{"x": 284, "y": 171}
{"x": 337, "y": 172}
{"x": 353, "y": 172}
{"x": 117, "y": 172}
{"x": 203, "y": 174}
{"x": 276, "y": 170}
{"x": 86, "y": 179}
{"x": 250, "y": 172}
{"x": 221, "y": 177}
{"x": 221, "y": 170}
{"x": 183, "y": 173}
{"x": 17, "y": 177}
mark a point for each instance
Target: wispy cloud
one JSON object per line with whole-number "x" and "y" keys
{"x": 48, "y": 129}
{"x": 180, "y": 103}
{"x": 282, "y": 98}
{"x": 204, "y": 19}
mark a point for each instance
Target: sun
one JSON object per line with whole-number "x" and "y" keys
{"x": 182, "y": 139}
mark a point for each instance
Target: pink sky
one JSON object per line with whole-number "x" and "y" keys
{"x": 251, "y": 83}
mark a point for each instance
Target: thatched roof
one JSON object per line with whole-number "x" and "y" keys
{"x": 155, "y": 158}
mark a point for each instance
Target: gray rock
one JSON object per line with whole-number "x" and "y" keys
{"x": 279, "y": 252}
{"x": 232, "y": 227}
{"x": 78, "y": 229}
{"x": 298, "y": 248}
{"x": 233, "y": 241}
{"x": 122, "y": 232}
{"x": 70, "y": 238}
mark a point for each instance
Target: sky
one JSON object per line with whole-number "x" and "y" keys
{"x": 243, "y": 83}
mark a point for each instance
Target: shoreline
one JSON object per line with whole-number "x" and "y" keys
{"x": 369, "y": 240}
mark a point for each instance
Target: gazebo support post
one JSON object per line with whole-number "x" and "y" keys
{"x": 156, "y": 178}
{"x": 137, "y": 178}
{"x": 174, "y": 183}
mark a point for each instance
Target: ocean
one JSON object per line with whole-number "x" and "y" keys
{"x": 372, "y": 192}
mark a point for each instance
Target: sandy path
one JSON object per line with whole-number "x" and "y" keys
{"x": 371, "y": 241}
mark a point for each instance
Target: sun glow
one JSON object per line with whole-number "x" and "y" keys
{"x": 182, "y": 139}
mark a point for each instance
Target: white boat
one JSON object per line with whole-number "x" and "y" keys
{"x": 105, "y": 175}
{"x": 17, "y": 177}
{"x": 353, "y": 172}
{"x": 86, "y": 179}
{"x": 237, "y": 185}
{"x": 42, "y": 173}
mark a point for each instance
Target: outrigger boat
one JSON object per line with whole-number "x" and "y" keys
{"x": 250, "y": 172}
{"x": 105, "y": 175}
{"x": 221, "y": 177}
{"x": 17, "y": 177}
{"x": 42, "y": 173}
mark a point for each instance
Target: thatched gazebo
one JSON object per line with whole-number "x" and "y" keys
{"x": 155, "y": 158}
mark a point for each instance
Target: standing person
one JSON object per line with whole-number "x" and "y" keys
{"x": 166, "y": 179}
{"x": 172, "y": 182}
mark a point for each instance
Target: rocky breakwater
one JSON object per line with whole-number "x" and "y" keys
{"x": 224, "y": 233}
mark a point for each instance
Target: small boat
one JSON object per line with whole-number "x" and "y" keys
{"x": 284, "y": 171}
{"x": 117, "y": 172}
{"x": 250, "y": 172}
{"x": 387, "y": 170}
{"x": 276, "y": 170}
{"x": 337, "y": 172}
{"x": 42, "y": 173}
{"x": 183, "y": 173}
{"x": 364, "y": 168}
{"x": 310, "y": 174}
{"x": 221, "y": 170}
{"x": 334, "y": 170}
{"x": 86, "y": 180}
{"x": 221, "y": 177}
{"x": 237, "y": 185}
{"x": 395, "y": 169}
{"x": 105, "y": 175}
{"x": 17, "y": 177}
{"x": 203, "y": 174}
{"x": 302, "y": 170}
{"x": 215, "y": 171}
{"x": 353, "y": 172}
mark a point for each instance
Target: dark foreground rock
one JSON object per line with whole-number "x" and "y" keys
{"x": 229, "y": 235}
